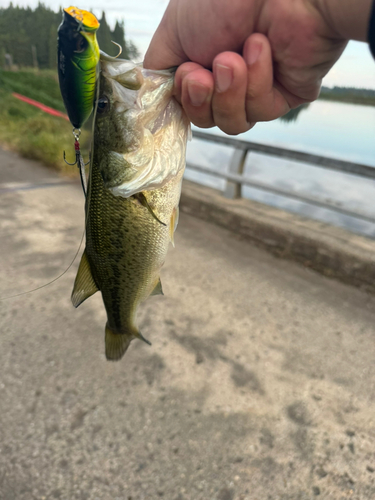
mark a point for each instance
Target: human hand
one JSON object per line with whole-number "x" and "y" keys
{"x": 243, "y": 61}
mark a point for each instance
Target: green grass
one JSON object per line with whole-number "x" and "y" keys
{"x": 31, "y": 132}
{"x": 42, "y": 86}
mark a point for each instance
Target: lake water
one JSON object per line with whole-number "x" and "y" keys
{"x": 337, "y": 130}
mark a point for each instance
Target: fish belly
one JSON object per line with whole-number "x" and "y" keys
{"x": 126, "y": 247}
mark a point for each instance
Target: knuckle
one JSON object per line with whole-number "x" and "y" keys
{"x": 252, "y": 92}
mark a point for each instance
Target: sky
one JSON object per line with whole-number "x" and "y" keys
{"x": 355, "y": 68}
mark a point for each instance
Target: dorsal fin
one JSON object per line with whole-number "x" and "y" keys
{"x": 84, "y": 285}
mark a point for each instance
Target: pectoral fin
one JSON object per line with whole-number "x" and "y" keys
{"x": 143, "y": 201}
{"x": 84, "y": 285}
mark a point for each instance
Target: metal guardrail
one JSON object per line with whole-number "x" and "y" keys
{"x": 235, "y": 178}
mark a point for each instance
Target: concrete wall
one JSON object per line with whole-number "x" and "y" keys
{"x": 329, "y": 250}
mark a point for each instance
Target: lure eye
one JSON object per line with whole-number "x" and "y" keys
{"x": 81, "y": 44}
{"x": 103, "y": 105}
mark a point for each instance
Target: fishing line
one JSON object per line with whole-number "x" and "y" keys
{"x": 65, "y": 85}
{"x": 50, "y": 282}
{"x": 85, "y": 188}
{"x": 79, "y": 160}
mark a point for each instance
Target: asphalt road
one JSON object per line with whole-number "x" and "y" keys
{"x": 259, "y": 384}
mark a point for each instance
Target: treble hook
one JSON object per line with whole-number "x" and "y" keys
{"x": 79, "y": 160}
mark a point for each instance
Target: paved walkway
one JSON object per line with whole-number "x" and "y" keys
{"x": 259, "y": 384}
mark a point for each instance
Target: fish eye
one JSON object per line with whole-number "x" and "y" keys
{"x": 103, "y": 105}
{"x": 81, "y": 44}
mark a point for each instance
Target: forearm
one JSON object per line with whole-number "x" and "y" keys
{"x": 348, "y": 19}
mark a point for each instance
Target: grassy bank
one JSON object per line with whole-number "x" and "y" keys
{"x": 28, "y": 130}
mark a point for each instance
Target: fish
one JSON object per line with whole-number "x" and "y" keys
{"x": 137, "y": 164}
{"x": 78, "y": 63}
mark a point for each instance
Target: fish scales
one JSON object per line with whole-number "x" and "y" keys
{"x": 136, "y": 171}
{"x": 125, "y": 247}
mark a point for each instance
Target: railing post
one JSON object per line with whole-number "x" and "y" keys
{"x": 237, "y": 163}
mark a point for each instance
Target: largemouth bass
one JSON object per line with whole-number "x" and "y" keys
{"x": 78, "y": 58}
{"x": 136, "y": 171}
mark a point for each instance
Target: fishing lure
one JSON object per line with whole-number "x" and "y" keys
{"x": 78, "y": 59}
{"x": 78, "y": 70}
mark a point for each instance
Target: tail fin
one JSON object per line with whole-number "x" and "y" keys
{"x": 116, "y": 344}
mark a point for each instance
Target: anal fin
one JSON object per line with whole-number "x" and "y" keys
{"x": 173, "y": 223}
{"x": 158, "y": 290}
{"x": 84, "y": 285}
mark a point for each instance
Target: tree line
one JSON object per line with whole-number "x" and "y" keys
{"x": 349, "y": 94}
{"x": 29, "y": 37}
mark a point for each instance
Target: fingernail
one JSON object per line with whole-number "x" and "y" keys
{"x": 223, "y": 77}
{"x": 253, "y": 53}
{"x": 197, "y": 93}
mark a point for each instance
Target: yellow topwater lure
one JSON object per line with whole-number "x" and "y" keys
{"x": 78, "y": 63}
{"x": 78, "y": 70}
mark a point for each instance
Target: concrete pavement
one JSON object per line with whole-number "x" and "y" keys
{"x": 259, "y": 384}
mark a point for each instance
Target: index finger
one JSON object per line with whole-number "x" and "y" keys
{"x": 165, "y": 49}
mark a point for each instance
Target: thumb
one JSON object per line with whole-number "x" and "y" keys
{"x": 165, "y": 50}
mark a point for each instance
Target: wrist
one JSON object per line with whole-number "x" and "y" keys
{"x": 347, "y": 19}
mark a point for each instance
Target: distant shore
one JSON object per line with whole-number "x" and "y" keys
{"x": 349, "y": 95}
